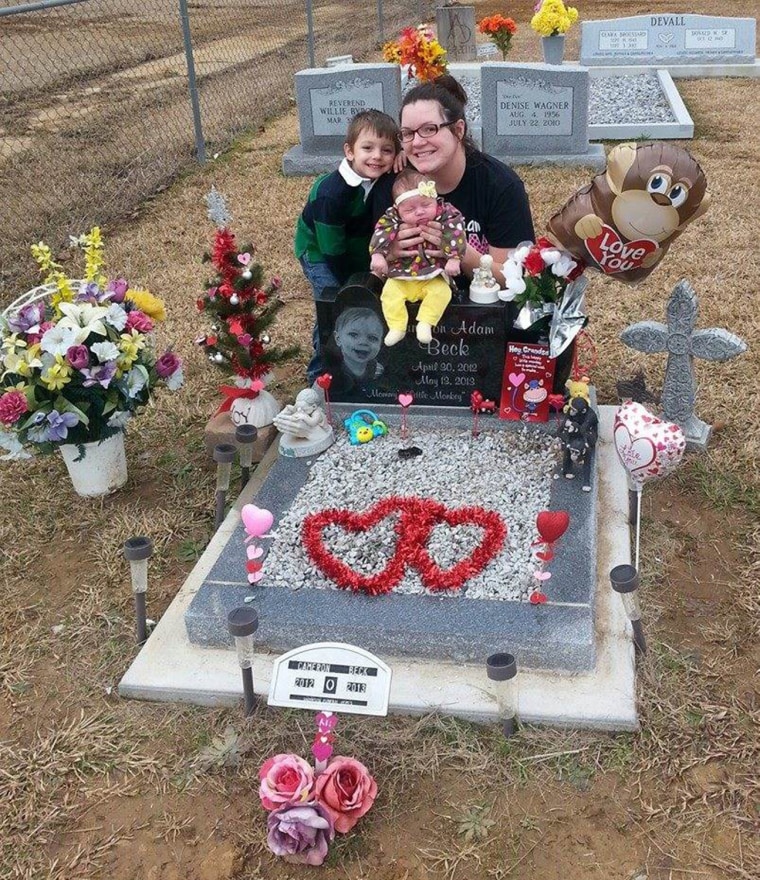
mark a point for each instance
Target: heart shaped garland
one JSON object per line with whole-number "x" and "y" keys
{"x": 419, "y": 516}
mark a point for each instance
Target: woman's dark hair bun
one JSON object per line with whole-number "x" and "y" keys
{"x": 452, "y": 86}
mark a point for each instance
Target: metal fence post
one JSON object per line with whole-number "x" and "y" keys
{"x": 380, "y": 26}
{"x": 310, "y": 33}
{"x": 200, "y": 143}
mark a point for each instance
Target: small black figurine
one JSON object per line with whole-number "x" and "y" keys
{"x": 577, "y": 432}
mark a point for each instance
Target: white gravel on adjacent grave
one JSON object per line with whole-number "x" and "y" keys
{"x": 613, "y": 100}
{"x": 507, "y": 471}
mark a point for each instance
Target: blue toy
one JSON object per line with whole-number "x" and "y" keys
{"x": 363, "y": 426}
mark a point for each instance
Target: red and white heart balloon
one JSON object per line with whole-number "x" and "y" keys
{"x": 648, "y": 447}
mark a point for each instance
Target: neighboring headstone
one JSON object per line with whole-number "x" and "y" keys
{"x": 537, "y": 114}
{"x": 683, "y": 343}
{"x": 455, "y": 26}
{"x": 327, "y": 100}
{"x": 668, "y": 39}
{"x": 467, "y": 352}
{"x": 339, "y": 60}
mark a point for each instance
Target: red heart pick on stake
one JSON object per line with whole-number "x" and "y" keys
{"x": 552, "y": 524}
{"x": 544, "y": 555}
{"x": 537, "y": 598}
{"x": 324, "y": 381}
{"x": 253, "y": 566}
{"x": 614, "y": 255}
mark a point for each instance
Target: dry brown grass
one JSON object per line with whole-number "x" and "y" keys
{"x": 92, "y": 786}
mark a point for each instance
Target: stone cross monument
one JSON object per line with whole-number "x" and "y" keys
{"x": 683, "y": 343}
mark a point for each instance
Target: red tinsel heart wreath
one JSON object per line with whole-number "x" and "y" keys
{"x": 419, "y": 516}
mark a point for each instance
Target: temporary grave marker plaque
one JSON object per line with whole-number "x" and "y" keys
{"x": 668, "y": 40}
{"x": 331, "y": 677}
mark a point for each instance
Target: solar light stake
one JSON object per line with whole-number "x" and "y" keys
{"x": 224, "y": 455}
{"x": 503, "y": 668}
{"x": 137, "y": 551}
{"x": 246, "y": 436}
{"x": 625, "y": 581}
{"x": 242, "y": 624}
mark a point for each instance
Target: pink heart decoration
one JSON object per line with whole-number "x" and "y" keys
{"x": 322, "y": 748}
{"x": 245, "y": 340}
{"x": 326, "y": 723}
{"x": 542, "y": 575}
{"x": 244, "y": 259}
{"x": 405, "y": 400}
{"x": 256, "y": 520}
{"x": 516, "y": 379}
{"x": 648, "y": 447}
{"x": 254, "y": 552}
{"x": 255, "y": 576}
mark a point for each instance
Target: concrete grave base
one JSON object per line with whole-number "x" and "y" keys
{"x": 682, "y": 71}
{"x": 683, "y": 127}
{"x": 170, "y": 668}
{"x": 595, "y": 158}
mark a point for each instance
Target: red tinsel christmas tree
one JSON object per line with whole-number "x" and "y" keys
{"x": 241, "y": 304}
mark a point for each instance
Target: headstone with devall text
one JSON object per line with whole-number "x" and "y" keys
{"x": 537, "y": 114}
{"x": 668, "y": 39}
{"x": 328, "y": 98}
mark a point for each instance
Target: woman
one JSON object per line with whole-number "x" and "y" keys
{"x": 489, "y": 193}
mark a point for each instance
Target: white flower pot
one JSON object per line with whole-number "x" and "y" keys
{"x": 103, "y": 468}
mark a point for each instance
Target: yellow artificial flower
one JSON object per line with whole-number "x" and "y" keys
{"x": 24, "y": 363}
{"x": 131, "y": 344}
{"x": 553, "y": 18}
{"x": 57, "y": 375}
{"x": 13, "y": 343}
{"x": 151, "y": 305}
{"x": 93, "y": 256}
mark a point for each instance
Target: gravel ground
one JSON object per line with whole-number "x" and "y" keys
{"x": 612, "y": 100}
{"x": 506, "y": 471}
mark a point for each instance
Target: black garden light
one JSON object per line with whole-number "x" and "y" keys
{"x": 137, "y": 551}
{"x": 246, "y": 436}
{"x": 625, "y": 581}
{"x": 242, "y": 624}
{"x": 224, "y": 455}
{"x": 503, "y": 669}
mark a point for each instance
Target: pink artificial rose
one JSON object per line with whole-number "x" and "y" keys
{"x": 285, "y": 779}
{"x": 168, "y": 364}
{"x": 78, "y": 356}
{"x": 276, "y": 282}
{"x": 137, "y": 320}
{"x": 346, "y": 790}
{"x": 13, "y": 405}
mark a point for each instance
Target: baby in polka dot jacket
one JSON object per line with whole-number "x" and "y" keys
{"x": 421, "y": 278}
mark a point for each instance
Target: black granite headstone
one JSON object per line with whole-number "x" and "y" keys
{"x": 467, "y": 351}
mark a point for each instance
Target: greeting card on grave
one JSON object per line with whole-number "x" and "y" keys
{"x": 527, "y": 382}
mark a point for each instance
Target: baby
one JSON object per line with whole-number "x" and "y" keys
{"x": 421, "y": 277}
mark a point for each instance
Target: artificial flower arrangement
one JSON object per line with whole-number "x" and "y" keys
{"x": 306, "y": 808}
{"x": 500, "y": 31}
{"x": 536, "y": 277}
{"x": 553, "y": 18}
{"x": 77, "y": 356}
{"x": 418, "y": 49}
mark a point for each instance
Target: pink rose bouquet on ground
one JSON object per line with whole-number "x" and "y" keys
{"x": 305, "y": 810}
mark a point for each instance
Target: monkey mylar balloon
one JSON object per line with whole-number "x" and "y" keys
{"x": 624, "y": 221}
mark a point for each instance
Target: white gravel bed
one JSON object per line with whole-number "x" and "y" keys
{"x": 506, "y": 471}
{"x": 613, "y": 100}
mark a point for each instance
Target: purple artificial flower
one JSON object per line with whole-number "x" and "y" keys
{"x": 28, "y": 318}
{"x": 168, "y": 364}
{"x": 89, "y": 292}
{"x": 99, "y": 375}
{"x": 117, "y": 290}
{"x": 78, "y": 356}
{"x": 60, "y": 424}
{"x": 301, "y": 834}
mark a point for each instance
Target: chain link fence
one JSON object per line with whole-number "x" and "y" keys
{"x": 103, "y": 101}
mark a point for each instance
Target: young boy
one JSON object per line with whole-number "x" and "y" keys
{"x": 334, "y": 229}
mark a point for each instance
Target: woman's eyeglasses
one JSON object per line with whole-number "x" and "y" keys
{"x": 428, "y": 130}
